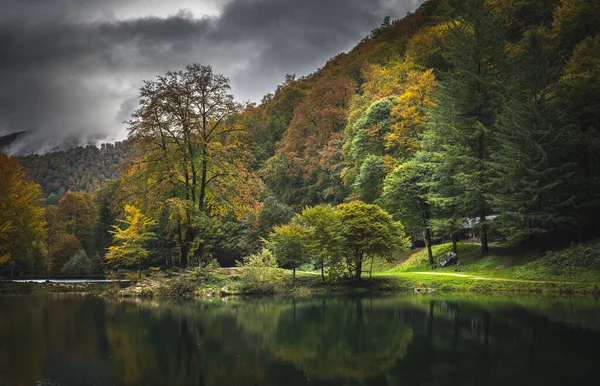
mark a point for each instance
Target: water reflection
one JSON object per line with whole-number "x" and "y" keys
{"x": 321, "y": 341}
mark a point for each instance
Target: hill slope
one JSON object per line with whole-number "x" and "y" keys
{"x": 76, "y": 169}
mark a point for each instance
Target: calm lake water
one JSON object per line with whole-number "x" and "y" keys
{"x": 406, "y": 340}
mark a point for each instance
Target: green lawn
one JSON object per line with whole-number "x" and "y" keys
{"x": 510, "y": 268}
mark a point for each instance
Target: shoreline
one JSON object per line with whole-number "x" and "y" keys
{"x": 307, "y": 284}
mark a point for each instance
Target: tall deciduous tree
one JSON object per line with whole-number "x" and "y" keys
{"x": 191, "y": 150}
{"x": 306, "y": 167}
{"x": 384, "y": 132}
{"x": 128, "y": 247}
{"x": 21, "y": 216}
{"x": 76, "y": 215}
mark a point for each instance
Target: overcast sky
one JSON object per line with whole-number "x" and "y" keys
{"x": 72, "y": 68}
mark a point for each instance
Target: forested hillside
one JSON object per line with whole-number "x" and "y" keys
{"x": 77, "y": 169}
{"x": 464, "y": 109}
{"x": 466, "y": 118}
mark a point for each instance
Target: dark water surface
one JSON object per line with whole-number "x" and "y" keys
{"x": 408, "y": 340}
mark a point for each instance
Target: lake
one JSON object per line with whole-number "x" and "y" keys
{"x": 334, "y": 340}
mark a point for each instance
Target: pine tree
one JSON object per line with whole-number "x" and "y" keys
{"x": 461, "y": 136}
{"x": 531, "y": 168}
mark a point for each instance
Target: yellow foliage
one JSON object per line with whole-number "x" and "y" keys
{"x": 427, "y": 45}
{"x": 410, "y": 111}
{"x": 22, "y": 223}
{"x": 128, "y": 248}
{"x": 383, "y": 81}
{"x": 5, "y": 259}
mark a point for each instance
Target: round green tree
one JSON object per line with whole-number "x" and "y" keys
{"x": 368, "y": 231}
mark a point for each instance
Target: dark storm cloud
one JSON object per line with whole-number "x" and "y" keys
{"x": 71, "y": 68}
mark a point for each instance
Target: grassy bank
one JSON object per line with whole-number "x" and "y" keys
{"x": 516, "y": 269}
{"x": 575, "y": 269}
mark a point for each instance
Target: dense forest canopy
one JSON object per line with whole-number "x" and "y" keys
{"x": 77, "y": 169}
{"x": 478, "y": 117}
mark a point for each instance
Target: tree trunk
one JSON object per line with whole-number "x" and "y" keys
{"x": 454, "y": 242}
{"x": 183, "y": 247}
{"x": 358, "y": 267}
{"x": 323, "y": 270}
{"x": 203, "y": 182}
{"x": 428, "y": 245}
{"x": 183, "y": 256}
{"x": 349, "y": 266}
{"x": 371, "y": 271}
{"x": 294, "y": 277}
{"x": 199, "y": 251}
{"x": 428, "y": 234}
{"x": 483, "y": 232}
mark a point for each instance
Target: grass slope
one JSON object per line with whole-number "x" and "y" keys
{"x": 506, "y": 268}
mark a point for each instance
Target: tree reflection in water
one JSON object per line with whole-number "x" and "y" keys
{"x": 323, "y": 340}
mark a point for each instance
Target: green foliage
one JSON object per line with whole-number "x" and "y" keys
{"x": 418, "y": 260}
{"x": 78, "y": 265}
{"x": 460, "y": 110}
{"x": 578, "y": 95}
{"x": 461, "y": 135}
{"x": 290, "y": 245}
{"x": 574, "y": 20}
{"x": 325, "y": 239}
{"x": 77, "y": 169}
{"x": 191, "y": 157}
{"x": 532, "y": 170}
{"x": 577, "y": 255}
{"x": 367, "y": 231}
{"x": 76, "y": 215}
{"x": 106, "y": 201}
{"x": 406, "y": 195}
{"x": 181, "y": 287}
{"x": 259, "y": 273}
{"x": 369, "y": 179}
{"x": 366, "y": 134}
{"x": 366, "y": 145}
{"x": 274, "y": 213}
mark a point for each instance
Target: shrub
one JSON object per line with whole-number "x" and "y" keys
{"x": 259, "y": 274}
{"x": 78, "y": 265}
{"x": 207, "y": 277}
{"x": 583, "y": 255}
{"x": 181, "y": 287}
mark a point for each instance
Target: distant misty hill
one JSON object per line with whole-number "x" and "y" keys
{"x": 75, "y": 169}
{"x": 23, "y": 143}
{"x": 6, "y": 141}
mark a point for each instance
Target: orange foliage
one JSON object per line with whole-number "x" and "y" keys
{"x": 317, "y": 118}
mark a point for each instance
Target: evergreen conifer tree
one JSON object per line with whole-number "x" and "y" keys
{"x": 532, "y": 171}
{"x": 461, "y": 136}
